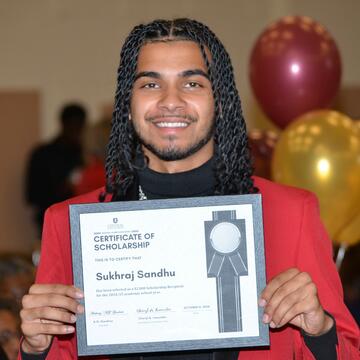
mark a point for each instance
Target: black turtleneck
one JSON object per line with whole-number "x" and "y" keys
{"x": 192, "y": 183}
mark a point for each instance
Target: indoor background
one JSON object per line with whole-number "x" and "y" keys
{"x": 53, "y": 52}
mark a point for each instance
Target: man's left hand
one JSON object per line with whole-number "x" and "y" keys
{"x": 291, "y": 298}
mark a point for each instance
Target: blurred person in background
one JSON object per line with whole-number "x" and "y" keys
{"x": 9, "y": 330}
{"x": 16, "y": 276}
{"x": 51, "y": 165}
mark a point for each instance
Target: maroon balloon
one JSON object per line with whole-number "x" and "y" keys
{"x": 295, "y": 67}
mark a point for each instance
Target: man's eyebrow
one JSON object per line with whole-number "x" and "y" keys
{"x": 186, "y": 73}
{"x": 200, "y": 72}
{"x": 151, "y": 74}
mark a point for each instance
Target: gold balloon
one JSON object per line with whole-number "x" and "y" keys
{"x": 320, "y": 151}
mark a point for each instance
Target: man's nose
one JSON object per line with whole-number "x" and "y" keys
{"x": 171, "y": 100}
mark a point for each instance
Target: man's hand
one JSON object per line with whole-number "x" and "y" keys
{"x": 48, "y": 310}
{"x": 291, "y": 297}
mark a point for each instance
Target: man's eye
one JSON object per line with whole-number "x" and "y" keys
{"x": 192, "y": 84}
{"x": 150, "y": 86}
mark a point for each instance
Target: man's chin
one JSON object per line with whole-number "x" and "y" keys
{"x": 176, "y": 152}
{"x": 170, "y": 154}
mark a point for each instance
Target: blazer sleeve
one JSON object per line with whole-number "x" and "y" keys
{"x": 55, "y": 268}
{"x": 315, "y": 256}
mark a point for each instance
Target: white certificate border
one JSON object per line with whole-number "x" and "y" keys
{"x": 133, "y": 348}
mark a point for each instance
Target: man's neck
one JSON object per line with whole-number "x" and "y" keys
{"x": 199, "y": 181}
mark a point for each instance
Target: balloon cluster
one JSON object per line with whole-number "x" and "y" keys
{"x": 295, "y": 71}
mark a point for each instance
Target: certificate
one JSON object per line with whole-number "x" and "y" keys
{"x": 169, "y": 275}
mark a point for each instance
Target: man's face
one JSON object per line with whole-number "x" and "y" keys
{"x": 172, "y": 104}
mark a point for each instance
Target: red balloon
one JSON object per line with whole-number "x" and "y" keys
{"x": 295, "y": 67}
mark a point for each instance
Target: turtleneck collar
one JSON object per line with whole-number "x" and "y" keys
{"x": 196, "y": 182}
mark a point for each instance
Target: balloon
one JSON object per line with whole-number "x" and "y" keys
{"x": 262, "y": 143}
{"x": 295, "y": 67}
{"x": 320, "y": 151}
{"x": 350, "y": 235}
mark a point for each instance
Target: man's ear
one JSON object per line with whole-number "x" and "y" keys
{"x": 129, "y": 117}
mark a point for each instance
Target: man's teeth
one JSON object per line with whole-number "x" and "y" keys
{"x": 172, "y": 124}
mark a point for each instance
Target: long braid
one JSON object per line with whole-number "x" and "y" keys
{"x": 233, "y": 168}
{"x": 123, "y": 144}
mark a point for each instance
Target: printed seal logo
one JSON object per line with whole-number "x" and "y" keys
{"x": 115, "y": 225}
{"x": 226, "y": 259}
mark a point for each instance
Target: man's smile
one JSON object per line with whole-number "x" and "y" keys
{"x": 172, "y": 121}
{"x": 164, "y": 124}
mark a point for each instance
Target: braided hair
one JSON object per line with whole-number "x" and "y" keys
{"x": 233, "y": 167}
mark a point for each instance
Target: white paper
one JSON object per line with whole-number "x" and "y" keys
{"x": 159, "y": 289}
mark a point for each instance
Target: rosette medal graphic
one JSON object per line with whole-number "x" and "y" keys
{"x": 226, "y": 261}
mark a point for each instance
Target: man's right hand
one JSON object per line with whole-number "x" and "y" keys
{"x": 48, "y": 310}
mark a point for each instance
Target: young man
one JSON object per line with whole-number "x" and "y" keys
{"x": 178, "y": 131}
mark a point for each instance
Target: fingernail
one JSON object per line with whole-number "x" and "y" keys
{"x": 69, "y": 329}
{"x": 79, "y": 295}
{"x": 272, "y": 325}
{"x": 265, "y": 318}
{"x": 73, "y": 318}
{"x": 262, "y": 302}
{"x": 80, "y": 309}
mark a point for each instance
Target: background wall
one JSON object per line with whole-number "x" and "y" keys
{"x": 69, "y": 50}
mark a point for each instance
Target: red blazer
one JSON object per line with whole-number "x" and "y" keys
{"x": 294, "y": 237}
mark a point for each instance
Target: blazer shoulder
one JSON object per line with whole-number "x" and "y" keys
{"x": 88, "y": 198}
{"x": 279, "y": 192}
